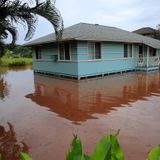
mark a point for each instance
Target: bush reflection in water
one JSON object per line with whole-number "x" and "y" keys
{"x": 9, "y": 146}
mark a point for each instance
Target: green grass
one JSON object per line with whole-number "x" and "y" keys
{"x": 11, "y": 62}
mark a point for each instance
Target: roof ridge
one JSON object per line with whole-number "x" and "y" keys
{"x": 88, "y": 31}
{"x": 96, "y": 24}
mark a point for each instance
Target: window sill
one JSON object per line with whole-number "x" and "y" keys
{"x": 75, "y": 61}
{"x": 66, "y": 61}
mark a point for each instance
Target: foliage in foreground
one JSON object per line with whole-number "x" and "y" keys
{"x": 107, "y": 148}
{"x": 25, "y": 156}
{"x": 154, "y": 153}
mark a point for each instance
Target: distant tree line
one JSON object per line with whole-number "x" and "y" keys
{"x": 17, "y": 51}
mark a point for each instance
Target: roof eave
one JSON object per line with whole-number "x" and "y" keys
{"x": 47, "y": 42}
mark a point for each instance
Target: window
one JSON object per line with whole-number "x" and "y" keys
{"x": 141, "y": 48}
{"x": 97, "y": 50}
{"x": 61, "y": 52}
{"x": 127, "y": 50}
{"x": 67, "y": 52}
{"x": 94, "y": 50}
{"x": 130, "y": 50}
{"x": 152, "y": 52}
{"x": 91, "y": 50}
{"x": 64, "y": 51}
{"x": 38, "y": 53}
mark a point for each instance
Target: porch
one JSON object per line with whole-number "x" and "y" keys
{"x": 148, "y": 63}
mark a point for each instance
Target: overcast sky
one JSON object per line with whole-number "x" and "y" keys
{"x": 125, "y": 14}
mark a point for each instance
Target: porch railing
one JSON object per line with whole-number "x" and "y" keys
{"x": 154, "y": 61}
{"x": 148, "y": 61}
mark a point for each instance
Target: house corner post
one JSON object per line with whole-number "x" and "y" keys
{"x": 147, "y": 56}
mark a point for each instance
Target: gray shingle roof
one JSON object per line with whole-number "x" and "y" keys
{"x": 84, "y": 31}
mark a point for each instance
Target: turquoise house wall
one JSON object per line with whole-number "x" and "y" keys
{"x": 112, "y": 50}
{"x": 105, "y": 66}
{"x": 59, "y": 68}
{"x": 82, "y": 50}
{"x": 48, "y": 64}
{"x": 112, "y": 59}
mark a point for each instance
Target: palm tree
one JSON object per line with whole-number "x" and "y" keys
{"x": 14, "y": 12}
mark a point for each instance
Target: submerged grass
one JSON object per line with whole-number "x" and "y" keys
{"x": 11, "y": 62}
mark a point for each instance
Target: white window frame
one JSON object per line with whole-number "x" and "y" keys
{"x": 128, "y": 50}
{"x": 94, "y": 42}
{"x": 63, "y": 43}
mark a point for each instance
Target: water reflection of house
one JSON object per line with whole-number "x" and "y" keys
{"x": 79, "y": 101}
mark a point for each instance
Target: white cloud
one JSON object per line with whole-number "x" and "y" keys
{"x": 126, "y": 14}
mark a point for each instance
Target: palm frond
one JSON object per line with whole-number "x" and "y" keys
{"x": 17, "y": 11}
{"x": 52, "y": 14}
{"x": 5, "y": 27}
{"x": 25, "y": 15}
{"x": 13, "y": 32}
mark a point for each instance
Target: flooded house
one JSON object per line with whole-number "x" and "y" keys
{"x": 88, "y": 50}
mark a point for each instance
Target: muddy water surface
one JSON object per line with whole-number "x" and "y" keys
{"x": 39, "y": 114}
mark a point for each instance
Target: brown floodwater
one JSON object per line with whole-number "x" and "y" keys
{"x": 39, "y": 114}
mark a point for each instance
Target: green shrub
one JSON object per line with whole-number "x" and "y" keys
{"x": 25, "y": 156}
{"x": 154, "y": 154}
{"x": 10, "y": 62}
{"x": 7, "y": 53}
{"x": 107, "y": 149}
{"x": 16, "y": 56}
